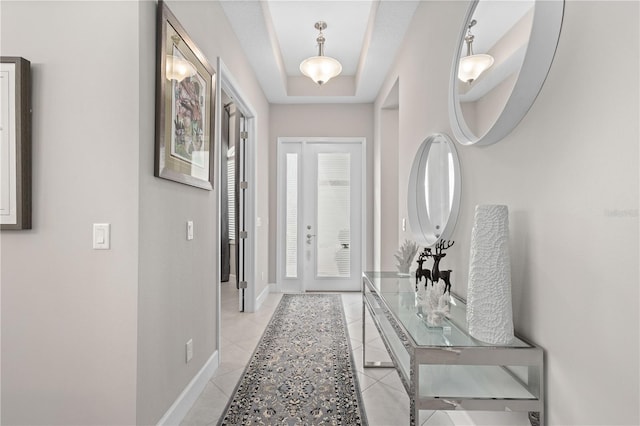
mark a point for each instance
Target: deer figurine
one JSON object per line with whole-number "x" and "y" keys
{"x": 420, "y": 272}
{"x": 436, "y": 273}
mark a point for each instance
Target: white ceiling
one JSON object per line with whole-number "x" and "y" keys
{"x": 495, "y": 19}
{"x": 364, "y": 35}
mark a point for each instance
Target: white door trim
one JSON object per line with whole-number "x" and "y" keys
{"x": 225, "y": 81}
{"x": 279, "y": 196}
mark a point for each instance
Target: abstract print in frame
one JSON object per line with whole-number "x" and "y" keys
{"x": 184, "y": 106}
{"x": 15, "y": 143}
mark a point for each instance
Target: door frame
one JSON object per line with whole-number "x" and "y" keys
{"x": 280, "y": 228}
{"x": 225, "y": 81}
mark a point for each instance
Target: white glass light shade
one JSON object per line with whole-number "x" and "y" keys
{"x": 472, "y": 66}
{"x": 320, "y": 69}
{"x": 178, "y": 69}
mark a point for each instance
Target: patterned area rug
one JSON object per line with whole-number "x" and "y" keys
{"x": 302, "y": 372}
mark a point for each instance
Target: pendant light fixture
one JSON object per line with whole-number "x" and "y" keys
{"x": 471, "y": 66}
{"x": 320, "y": 68}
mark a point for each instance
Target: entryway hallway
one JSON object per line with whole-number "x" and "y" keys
{"x": 385, "y": 400}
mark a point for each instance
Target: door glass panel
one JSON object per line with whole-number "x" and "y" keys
{"x": 334, "y": 213}
{"x": 291, "y": 252}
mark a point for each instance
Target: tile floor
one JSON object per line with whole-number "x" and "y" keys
{"x": 385, "y": 400}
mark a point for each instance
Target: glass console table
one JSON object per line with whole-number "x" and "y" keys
{"x": 445, "y": 368}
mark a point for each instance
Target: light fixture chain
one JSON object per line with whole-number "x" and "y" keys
{"x": 320, "y": 41}
{"x": 320, "y": 25}
{"x": 469, "y": 39}
{"x": 320, "y": 68}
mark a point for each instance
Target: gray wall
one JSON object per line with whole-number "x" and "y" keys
{"x": 343, "y": 120}
{"x": 179, "y": 278}
{"x": 69, "y": 313}
{"x": 387, "y": 203}
{"x": 98, "y": 337}
{"x": 569, "y": 174}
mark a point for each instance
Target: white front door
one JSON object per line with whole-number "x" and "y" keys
{"x": 320, "y": 221}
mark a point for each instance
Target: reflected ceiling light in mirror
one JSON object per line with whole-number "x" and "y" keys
{"x": 524, "y": 35}
{"x": 320, "y": 68}
{"x": 471, "y": 65}
{"x": 176, "y": 67}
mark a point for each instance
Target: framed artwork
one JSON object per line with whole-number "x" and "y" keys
{"x": 185, "y": 94}
{"x": 15, "y": 143}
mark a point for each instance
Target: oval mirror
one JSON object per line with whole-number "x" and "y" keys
{"x": 434, "y": 190}
{"x": 503, "y": 56}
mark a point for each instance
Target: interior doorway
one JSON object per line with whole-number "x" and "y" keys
{"x": 236, "y": 171}
{"x": 233, "y": 198}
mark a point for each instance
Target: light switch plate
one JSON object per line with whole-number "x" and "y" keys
{"x": 189, "y": 350}
{"x": 190, "y": 230}
{"x": 101, "y": 236}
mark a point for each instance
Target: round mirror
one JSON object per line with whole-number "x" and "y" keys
{"x": 434, "y": 190}
{"x": 502, "y": 59}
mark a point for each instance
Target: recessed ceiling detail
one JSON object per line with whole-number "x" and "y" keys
{"x": 293, "y": 23}
{"x": 277, "y": 35}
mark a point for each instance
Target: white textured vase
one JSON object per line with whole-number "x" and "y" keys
{"x": 489, "y": 310}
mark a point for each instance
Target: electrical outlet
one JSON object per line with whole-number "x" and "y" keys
{"x": 189, "y": 350}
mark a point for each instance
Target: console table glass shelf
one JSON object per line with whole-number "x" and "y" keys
{"x": 444, "y": 368}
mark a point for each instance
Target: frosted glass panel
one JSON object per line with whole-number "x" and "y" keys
{"x": 334, "y": 213}
{"x": 291, "y": 251}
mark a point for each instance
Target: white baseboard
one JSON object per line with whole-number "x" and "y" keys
{"x": 181, "y": 406}
{"x": 262, "y": 296}
{"x": 273, "y": 288}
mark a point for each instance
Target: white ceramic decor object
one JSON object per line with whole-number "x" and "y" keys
{"x": 436, "y": 304}
{"x": 489, "y": 310}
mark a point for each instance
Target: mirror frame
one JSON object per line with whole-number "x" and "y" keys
{"x": 421, "y": 227}
{"x": 543, "y": 42}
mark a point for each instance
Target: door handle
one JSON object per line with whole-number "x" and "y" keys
{"x": 309, "y": 238}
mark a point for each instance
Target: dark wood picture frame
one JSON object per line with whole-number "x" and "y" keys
{"x": 185, "y": 106}
{"x": 15, "y": 151}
